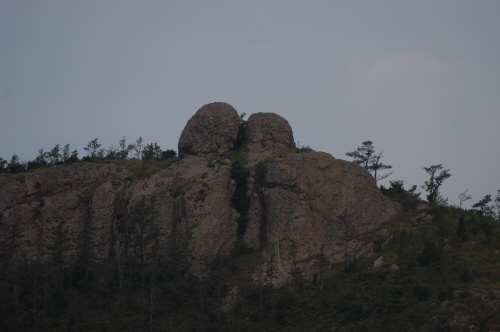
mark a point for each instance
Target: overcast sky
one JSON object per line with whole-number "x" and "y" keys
{"x": 421, "y": 79}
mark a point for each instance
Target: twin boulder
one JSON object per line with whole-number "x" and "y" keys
{"x": 217, "y": 129}
{"x": 305, "y": 204}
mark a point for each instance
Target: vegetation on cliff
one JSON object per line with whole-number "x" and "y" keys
{"x": 242, "y": 233}
{"x": 123, "y": 152}
{"x": 439, "y": 265}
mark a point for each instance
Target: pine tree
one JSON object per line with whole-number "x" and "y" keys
{"x": 366, "y": 157}
{"x": 432, "y": 186}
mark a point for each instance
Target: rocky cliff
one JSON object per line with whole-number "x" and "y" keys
{"x": 296, "y": 206}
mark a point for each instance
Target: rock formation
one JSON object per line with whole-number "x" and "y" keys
{"x": 193, "y": 200}
{"x": 265, "y": 134}
{"x": 211, "y": 132}
{"x": 300, "y": 204}
{"x": 33, "y": 204}
{"x": 312, "y": 203}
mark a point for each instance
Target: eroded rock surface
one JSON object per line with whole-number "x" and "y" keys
{"x": 194, "y": 207}
{"x": 312, "y": 203}
{"x": 33, "y": 204}
{"x": 265, "y": 134}
{"x": 211, "y": 132}
{"x": 192, "y": 201}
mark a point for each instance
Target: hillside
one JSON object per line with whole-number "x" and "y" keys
{"x": 244, "y": 231}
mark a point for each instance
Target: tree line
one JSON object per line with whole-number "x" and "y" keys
{"x": 366, "y": 157}
{"x": 95, "y": 152}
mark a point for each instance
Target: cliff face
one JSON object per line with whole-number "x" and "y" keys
{"x": 33, "y": 204}
{"x": 314, "y": 204}
{"x": 299, "y": 205}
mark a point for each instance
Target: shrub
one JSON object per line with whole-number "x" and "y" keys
{"x": 397, "y": 192}
{"x": 421, "y": 292}
{"x": 240, "y": 200}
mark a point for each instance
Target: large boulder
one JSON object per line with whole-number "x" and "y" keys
{"x": 265, "y": 134}
{"x": 211, "y": 132}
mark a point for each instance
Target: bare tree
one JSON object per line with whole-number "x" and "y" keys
{"x": 464, "y": 197}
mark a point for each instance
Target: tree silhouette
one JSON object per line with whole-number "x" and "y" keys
{"x": 365, "y": 156}
{"x": 432, "y": 186}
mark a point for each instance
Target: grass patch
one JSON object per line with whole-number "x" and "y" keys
{"x": 235, "y": 156}
{"x": 303, "y": 149}
{"x": 181, "y": 187}
{"x": 140, "y": 169}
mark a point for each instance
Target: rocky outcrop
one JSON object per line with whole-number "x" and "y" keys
{"x": 192, "y": 201}
{"x": 195, "y": 213}
{"x": 32, "y": 205}
{"x": 266, "y": 134}
{"x": 211, "y": 132}
{"x": 312, "y": 203}
{"x": 300, "y": 207}
{"x": 57, "y": 179}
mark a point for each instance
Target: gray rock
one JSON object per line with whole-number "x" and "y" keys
{"x": 33, "y": 204}
{"x": 301, "y": 201}
{"x": 265, "y": 134}
{"x": 198, "y": 218}
{"x": 211, "y": 132}
{"x": 229, "y": 302}
{"x": 378, "y": 262}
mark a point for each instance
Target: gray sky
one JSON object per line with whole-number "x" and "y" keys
{"x": 421, "y": 79}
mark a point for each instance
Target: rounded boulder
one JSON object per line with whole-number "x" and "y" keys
{"x": 265, "y": 134}
{"x": 211, "y": 132}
